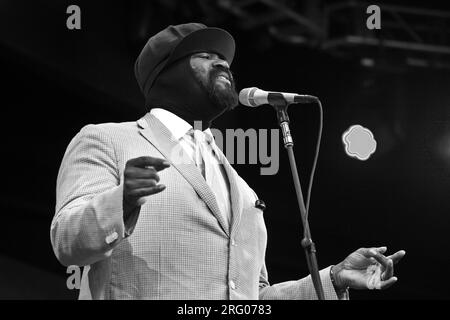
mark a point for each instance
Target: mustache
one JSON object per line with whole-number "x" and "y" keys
{"x": 225, "y": 98}
{"x": 219, "y": 70}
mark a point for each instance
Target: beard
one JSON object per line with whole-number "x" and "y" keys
{"x": 223, "y": 96}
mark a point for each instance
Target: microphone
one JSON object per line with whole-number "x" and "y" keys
{"x": 254, "y": 97}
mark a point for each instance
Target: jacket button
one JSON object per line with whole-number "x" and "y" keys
{"x": 260, "y": 204}
{"x": 232, "y": 285}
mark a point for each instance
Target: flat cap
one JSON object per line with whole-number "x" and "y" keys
{"x": 176, "y": 42}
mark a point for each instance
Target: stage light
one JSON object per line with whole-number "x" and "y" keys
{"x": 359, "y": 142}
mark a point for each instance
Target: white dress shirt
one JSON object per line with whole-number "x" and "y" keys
{"x": 214, "y": 173}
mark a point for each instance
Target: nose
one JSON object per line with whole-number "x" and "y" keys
{"x": 221, "y": 63}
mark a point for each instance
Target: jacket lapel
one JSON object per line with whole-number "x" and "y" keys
{"x": 235, "y": 193}
{"x": 159, "y": 136}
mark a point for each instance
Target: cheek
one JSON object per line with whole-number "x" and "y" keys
{"x": 203, "y": 72}
{"x": 200, "y": 72}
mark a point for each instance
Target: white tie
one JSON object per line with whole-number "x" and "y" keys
{"x": 200, "y": 154}
{"x": 207, "y": 160}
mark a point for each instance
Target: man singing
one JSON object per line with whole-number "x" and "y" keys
{"x": 152, "y": 208}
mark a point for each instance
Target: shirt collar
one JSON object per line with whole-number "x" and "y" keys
{"x": 176, "y": 125}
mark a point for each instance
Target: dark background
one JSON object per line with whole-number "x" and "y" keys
{"x": 54, "y": 81}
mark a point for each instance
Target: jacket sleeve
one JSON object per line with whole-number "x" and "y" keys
{"x": 88, "y": 221}
{"x": 302, "y": 289}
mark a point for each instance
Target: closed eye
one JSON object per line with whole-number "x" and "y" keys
{"x": 205, "y": 56}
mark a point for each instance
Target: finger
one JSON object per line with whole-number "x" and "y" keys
{"x": 159, "y": 167}
{"x": 386, "y": 264}
{"x": 143, "y": 192}
{"x": 142, "y": 162}
{"x": 373, "y": 252}
{"x": 141, "y": 173}
{"x": 141, "y": 201}
{"x": 382, "y": 249}
{"x": 134, "y": 173}
{"x": 396, "y": 257}
{"x": 387, "y": 283}
{"x": 389, "y": 271}
{"x": 140, "y": 183}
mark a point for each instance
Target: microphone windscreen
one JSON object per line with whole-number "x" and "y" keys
{"x": 246, "y": 96}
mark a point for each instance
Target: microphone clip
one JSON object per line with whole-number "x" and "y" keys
{"x": 280, "y": 105}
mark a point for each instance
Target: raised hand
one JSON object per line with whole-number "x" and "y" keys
{"x": 141, "y": 179}
{"x": 367, "y": 268}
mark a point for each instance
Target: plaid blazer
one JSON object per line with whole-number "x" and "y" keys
{"x": 177, "y": 244}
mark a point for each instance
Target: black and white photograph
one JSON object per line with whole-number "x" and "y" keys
{"x": 232, "y": 151}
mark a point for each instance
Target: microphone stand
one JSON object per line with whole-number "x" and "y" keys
{"x": 280, "y": 105}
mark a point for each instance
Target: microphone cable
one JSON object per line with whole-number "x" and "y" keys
{"x": 316, "y": 156}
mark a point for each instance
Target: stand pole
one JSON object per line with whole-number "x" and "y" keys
{"x": 307, "y": 243}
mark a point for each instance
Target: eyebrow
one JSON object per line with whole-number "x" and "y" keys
{"x": 210, "y": 52}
